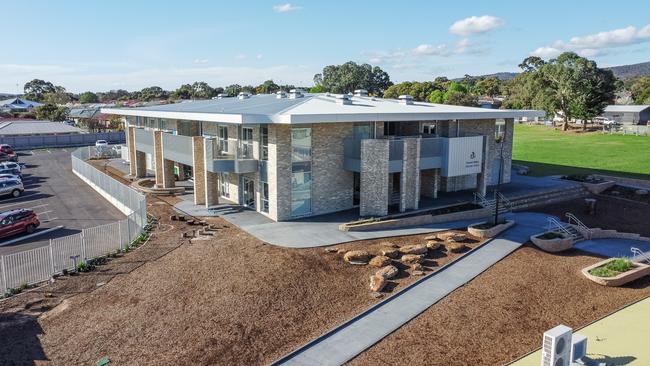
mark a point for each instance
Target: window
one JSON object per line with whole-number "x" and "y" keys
{"x": 224, "y": 184}
{"x": 247, "y": 143}
{"x": 300, "y": 171}
{"x": 264, "y": 136}
{"x": 500, "y": 130}
{"x": 390, "y": 128}
{"x": 362, "y": 130}
{"x": 265, "y": 198}
{"x": 429, "y": 128}
{"x": 223, "y": 139}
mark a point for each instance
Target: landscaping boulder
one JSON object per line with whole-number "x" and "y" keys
{"x": 456, "y": 247}
{"x": 417, "y": 267}
{"x": 418, "y": 273}
{"x": 377, "y": 283}
{"x": 459, "y": 237}
{"x": 331, "y": 250}
{"x": 411, "y": 259}
{"x": 357, "y": 257}
{"x": 341, "y": 251}
{"x": 390, "y": 252}
{"x": 388, "y": 244}
{"x": 380, "y": 261}
{"x": 388, "y": 272}
{"x": 413, "y": 249}
{"x": 445, "y": 235}
{"x": 431, "y": 237}
{"x": 433, "y": 244}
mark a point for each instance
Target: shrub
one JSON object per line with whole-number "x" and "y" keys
{"x": 612, "y": 268}
{"x": 81, "y": 266}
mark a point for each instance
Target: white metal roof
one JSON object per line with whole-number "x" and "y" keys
{"x": 14, "y": 128}
{"x": 626, "y": 108}
{"x": 315, "y": 108}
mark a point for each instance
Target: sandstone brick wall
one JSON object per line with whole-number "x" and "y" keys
{"x": 374, "y": 178}
{"x": 410, "y": 184}
{"x": 331, "y": 186}
{"x": 279, "y": 172}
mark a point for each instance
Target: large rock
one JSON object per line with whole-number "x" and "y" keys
{"x": 433, "y": 244}
{"x": 431, "y": 237}
{"x": 456, "y": 247}
{"x": 357, "y": 256}
{"x": 390, "y": 252}
{"x": 413, "y": 249}
{"x": 445, "y": 235}
{"x": 377, "y": 283}
{"x": 380, "y": 261}
{"x": 417, "y": 267}
{"x": 388, "y": 272}
{"x": 411, "y": 259}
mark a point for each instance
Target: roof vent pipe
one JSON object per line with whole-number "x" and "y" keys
{"x": 243, "y": 95}
{"x": 219, "y": 96}
{"x": 280, "y": 94}
{"x": 343, "y": 99}
{"x": 295, "y": 93}
{"x": 405, "y": 99}
{"x": 361, "y": 93}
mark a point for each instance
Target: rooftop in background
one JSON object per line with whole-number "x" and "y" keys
{"x": 18, "y": 103}
{"x": 314, "y": 108}
{"x": 31, "y": 127}
{"x": 622, "y": 335}
{"x": 626, "y": 108}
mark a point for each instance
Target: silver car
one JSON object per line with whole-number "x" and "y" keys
{"x": 10, "y": 165}
{"x": 11, "y": 187}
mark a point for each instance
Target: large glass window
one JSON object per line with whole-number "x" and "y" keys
{"x": 265, "y": 197}
{"x": 224, "y": 184}
{"x": 362, "y": 130}
{"x": 223, "y": 139}
{"x": 264, "y": 137}
{"x": 247, "y": 143}
{"x": 499, "y": 130}
{"x": 300, "y": 171}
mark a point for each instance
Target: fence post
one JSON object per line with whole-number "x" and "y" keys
{"x": 83, "y": 244}
{"x": 4, "y": 275}
{"x": 52, "y": 259}
{"x": 119, "y": 229}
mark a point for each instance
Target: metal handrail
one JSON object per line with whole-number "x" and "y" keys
{"x": 480, "y": 199}
{"x": 553, "y": 224}
{"x": 505, "y": 201}
{"x": 638, "y": 253}
{"x": 579, "y": 223}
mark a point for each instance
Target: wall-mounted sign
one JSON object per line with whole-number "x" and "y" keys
{"x": 462, "y": 156}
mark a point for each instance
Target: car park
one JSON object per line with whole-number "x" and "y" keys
{"x": 18, "y": 221}
{"x": 12, "y": 172}
{"x": 101, "y": 143}
{"x": 11, "y": 188}
{"x": 11, "y": 176}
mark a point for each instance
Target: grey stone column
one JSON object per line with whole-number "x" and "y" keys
{"x": 436, "y": 182}
{"x": 140, "y": 162}
{"x": 158, "y": 158}
{"x": 410, "y": 178}
{"x": 374, "y": 177}
{"x": 198, "y": 162}
{"x": 211, "y": 178}
{"x": 484, "y": 175}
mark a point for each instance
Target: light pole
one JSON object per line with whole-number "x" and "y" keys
{"x": 502, "y": 140}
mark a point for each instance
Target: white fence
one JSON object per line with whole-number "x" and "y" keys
{"x": 37, "y": 265}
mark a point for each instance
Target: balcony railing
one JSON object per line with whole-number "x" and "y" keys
{"x": 233, "y": 156}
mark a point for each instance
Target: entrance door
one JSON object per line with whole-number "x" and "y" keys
{"x": 248, "y": 192}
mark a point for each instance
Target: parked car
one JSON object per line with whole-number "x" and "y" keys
{"x": 117, "y": 149}
{"x": 11, "y": 176}
{"x": 8, "y": 152}
{"x": 12, "y": 172}
{"x": 13, "y": 188}
{"x": 18, "y": 221}
{"x": 11, "y": 165}
{"x": 101, "y": 143}
{"x": 8, "y": 157}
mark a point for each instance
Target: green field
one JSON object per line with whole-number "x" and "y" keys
{"x": 550, "y": 152}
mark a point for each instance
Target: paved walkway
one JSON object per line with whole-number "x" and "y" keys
{"x": 613, "y": 247}
{"x": 350, "y": 339}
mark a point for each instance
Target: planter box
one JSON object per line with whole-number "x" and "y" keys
{"x": 423, "y": 219}
{"x": 639, "y": 270}
{"x": 491, "y": 232}
{"x": 552, "y": 245}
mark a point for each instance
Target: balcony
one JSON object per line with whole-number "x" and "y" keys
{"x": 236, "y": 156}
{"x": 430, "y": 154}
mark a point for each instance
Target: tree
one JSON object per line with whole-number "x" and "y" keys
{"x": 420, "y": 91}
{"x": 197, "y": 90}
{"x": 436, "y": 96}
{"x": 152, "y": 93}
{"x": 640, "y": 89}
{"x": 267, "y": 87}
{"x": 489, "y": 86}
{"x": 51, "y": 112}
{"x": 112, "y": 95}
{"x": 36, "y": 89}
{"x": 317, "y": 89}
{"x": 233, "y": 90}
{"x": 60, "y": 96}
{"x": 88, "y": 97}
{"x": 350, "y": 76}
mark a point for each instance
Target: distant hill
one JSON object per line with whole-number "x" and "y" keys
{"x": 622, "y": 72}
{"x": 631, "y": 71}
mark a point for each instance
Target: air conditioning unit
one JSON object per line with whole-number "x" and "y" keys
{"x": 578, "y": 347}
{"x": 556, "y": 347}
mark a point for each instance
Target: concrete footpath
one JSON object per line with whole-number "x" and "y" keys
{"x": 345, "y": 342}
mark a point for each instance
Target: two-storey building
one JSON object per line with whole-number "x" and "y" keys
{"x": 293, "y": 155}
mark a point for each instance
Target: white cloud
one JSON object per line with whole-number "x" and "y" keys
{"x": 462, "y": 45}
{"x": 430, "y": 50}
{"x": 259, "y": 56}
{"x": 475, "y": 25}
{"x": 201, "y": 61}
{"x": 240, "y": 56}
{"x": 284, "y": 8}
{"x": 596, "y": 44}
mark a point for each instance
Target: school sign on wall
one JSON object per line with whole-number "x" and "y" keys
{"x": 462, "y": 156}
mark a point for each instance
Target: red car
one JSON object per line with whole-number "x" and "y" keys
{"x": 7, "y": 153}
{"x": 18, "y": 221}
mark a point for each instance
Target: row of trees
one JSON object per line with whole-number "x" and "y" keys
{"x": 640, "y": 89}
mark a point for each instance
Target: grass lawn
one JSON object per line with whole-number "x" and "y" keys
{"x": 550, "y": 152}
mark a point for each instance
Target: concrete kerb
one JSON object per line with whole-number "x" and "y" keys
{"x": 378, "y": 305}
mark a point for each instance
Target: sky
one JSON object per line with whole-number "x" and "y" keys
{"x": 103, "y": 45}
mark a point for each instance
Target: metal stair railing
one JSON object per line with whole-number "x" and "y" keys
{"x": 555, "y": 225}
{"x": 480, "y": 199}
{"x": 578, "y": 223}
{"x": 638, "y": 253}
{"x": 506, "y": 202}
